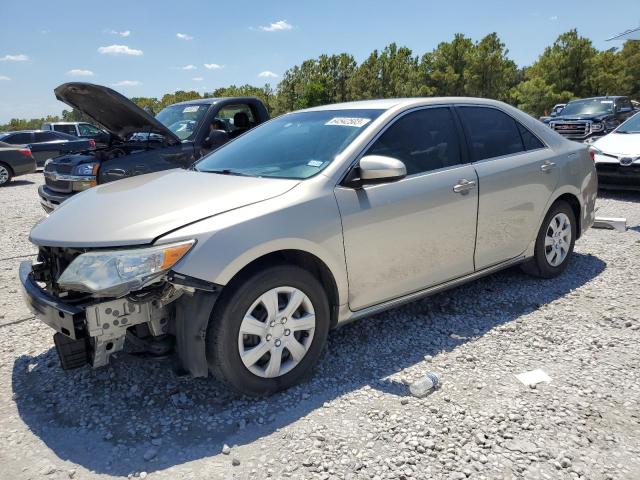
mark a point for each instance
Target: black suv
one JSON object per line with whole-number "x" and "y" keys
{"x": 589, "y": 118}
{"x": 179, "y": 135}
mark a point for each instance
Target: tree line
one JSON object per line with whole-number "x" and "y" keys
{"x": 569, "y": 68}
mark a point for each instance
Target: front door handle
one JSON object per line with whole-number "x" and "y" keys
{"x": 116, "y": 172}
{"x": 547, "y": 166}
{"x": 463, "y": 186}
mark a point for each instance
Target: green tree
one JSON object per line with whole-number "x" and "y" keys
{"x": 488, "y": 71}
{"x": 537, "y": 97}
{"x": 444, "y": 69}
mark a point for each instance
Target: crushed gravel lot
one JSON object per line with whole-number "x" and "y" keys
{"x": 354, "y": 418}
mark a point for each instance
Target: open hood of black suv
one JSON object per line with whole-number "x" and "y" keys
{"x": 115, "y": 112}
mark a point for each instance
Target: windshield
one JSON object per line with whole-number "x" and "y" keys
{"x": 596, "y": 106}
{"x": 630, "y": 126}
{"x": 182, "y": 119}
{"x": 297, "y": 145}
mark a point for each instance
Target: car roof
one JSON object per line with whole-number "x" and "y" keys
{"x": 603, "y": 97}
{"x": 388, "y": 103}
{"x": 63, "y": 123}
{"x": 212, "y": 100}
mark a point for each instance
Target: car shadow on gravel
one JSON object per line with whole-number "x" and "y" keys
{"x": 137, "y": 415}
{"x": 18, "y": 183}
{"x": 621, "y": 195}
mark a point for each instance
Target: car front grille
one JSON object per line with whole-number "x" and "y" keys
{"x": 615, "y": 174}
{"x": 572, "y": 129}
{"x": 62, "y": 186}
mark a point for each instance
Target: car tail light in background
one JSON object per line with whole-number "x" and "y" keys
{"x": 25, "y": 151}
{"x": 92, "y": 144}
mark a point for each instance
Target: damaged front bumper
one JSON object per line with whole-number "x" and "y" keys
{"x": 93, "y": 331}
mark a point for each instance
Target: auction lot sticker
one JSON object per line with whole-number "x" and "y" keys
{"x": 349, "y": 121}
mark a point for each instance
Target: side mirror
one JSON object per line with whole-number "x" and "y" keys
{"x": 379, "y": 169}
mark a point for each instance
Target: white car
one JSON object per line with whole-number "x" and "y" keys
{"x": 617, "y": 156}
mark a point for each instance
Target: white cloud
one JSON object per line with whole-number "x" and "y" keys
{"x": 277, "y": 26}
{"x": 119, "y": 50}
{"x": 78, "y": 72}
{"x": 124, "y": 33}
{"x": 4, "y": 77}
{"x": 183, "y": 36}
{"x": 14, "y": 58}
{"x": 267, "y": 74}
{"x": 554, "y": 18}
{"x": 197, "y": 79}
{"x": 127, "y": 83}
{"x": 189, "y": 67}
{"x": 212, "y": 66}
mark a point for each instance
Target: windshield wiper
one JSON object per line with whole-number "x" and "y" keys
{"x": 226, "y": 171}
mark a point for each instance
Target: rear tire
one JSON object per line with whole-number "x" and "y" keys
{"x": 6, "y": 174}
{"x": 554, "y": 243}
{"x": 258, "y": 340}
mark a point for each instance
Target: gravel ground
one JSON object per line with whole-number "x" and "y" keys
{"x": 354, "y": 418}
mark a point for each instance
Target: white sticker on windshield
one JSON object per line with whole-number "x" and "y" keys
{"x": 190, "y": 109}
{"x": 606, "y": 101}
{"x": 349, "y": 121}
{"x": 314, "y": 163}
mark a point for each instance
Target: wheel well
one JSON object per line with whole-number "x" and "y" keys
{"x": 304, "y": 260}
{"x": 9, "y": 167}
{"x": 575, "y": 206}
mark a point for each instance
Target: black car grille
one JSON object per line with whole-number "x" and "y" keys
{"x": 615, "y": 174}
{"x": 63, "y": 186}
{"x": 59, "y": 168}
{"x": 571, "y": 129}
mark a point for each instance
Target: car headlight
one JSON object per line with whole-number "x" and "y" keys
{"x": 597, "y": 127}
{"x": 115, "y": 273}
{"x": 85, "y": 169}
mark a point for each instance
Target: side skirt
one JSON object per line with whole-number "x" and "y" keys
{"x": 347, "y": 316}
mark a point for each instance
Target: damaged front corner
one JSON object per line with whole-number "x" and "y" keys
{"x": 191, "y": 320}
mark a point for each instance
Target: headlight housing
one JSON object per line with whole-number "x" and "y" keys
{"x": 115, "y": 273}
{"x": 597, "y": 126}
{"x": 85, "y": 169}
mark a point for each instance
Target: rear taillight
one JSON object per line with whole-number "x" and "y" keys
{"x": 25, "y": 151}
{"x": 92, "y": 144}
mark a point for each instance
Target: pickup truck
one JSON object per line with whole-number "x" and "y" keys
{"x": 588, "y": 119}
{"x": 178, "y": 136}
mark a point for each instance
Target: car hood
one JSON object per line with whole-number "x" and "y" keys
{"x": 620, "y": 144}
{"x": 115, "y": 112}
{"x": 138, "y": 210}
{"x": 589, "y": 116}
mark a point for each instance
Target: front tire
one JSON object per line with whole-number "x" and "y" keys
{"x": 554, "y": 243}
{"x": 268, "y": 330}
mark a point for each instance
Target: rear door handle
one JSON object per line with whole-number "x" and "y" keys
{"x": 547, "y": 166}
{"x": 463, "y": 186}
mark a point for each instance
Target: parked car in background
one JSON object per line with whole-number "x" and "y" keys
{"x": 14, "y": 161}
{"x": 617, "y": 156}
{"x": 175, "y": 138}
{"x": 47, "y": 144}
{"x": 244, "y": 258}
{"x": 555, "y": 111}
{"x": 80, "y": 130}
{"x": 587, "y": 119}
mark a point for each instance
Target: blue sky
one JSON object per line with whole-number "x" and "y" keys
{"x": 147, "y": 48}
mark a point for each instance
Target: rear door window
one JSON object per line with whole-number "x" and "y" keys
{"x": 423, "y": 140}
{"x": 490, "y": 132}
{"x": 19, "y": 138}
{"x": 88, "y": 130}
{"x": 531, "y": 142}
{"x": 45, "y": 137}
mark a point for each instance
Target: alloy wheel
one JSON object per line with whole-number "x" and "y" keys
{"x": 4, "y": 175}
{"x": 276, "y": 332}
{"x": 557, "y": 240}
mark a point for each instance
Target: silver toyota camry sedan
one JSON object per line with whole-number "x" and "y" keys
{"x": 243, "y": 263}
